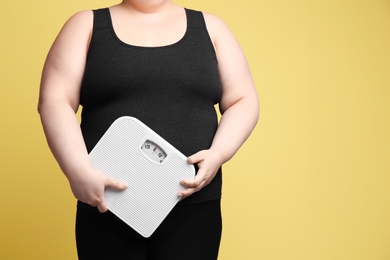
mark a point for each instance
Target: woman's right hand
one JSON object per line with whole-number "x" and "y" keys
{"x": 89, "y": 187}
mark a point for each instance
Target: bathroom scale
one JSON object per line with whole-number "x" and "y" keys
{"x": 133, "y": 153}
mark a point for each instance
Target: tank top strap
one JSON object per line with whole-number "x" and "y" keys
{"x": 195, "y": 19}
{"x": 100, "y": 18}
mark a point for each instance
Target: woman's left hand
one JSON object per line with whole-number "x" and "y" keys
{"x": 208, "y": 163}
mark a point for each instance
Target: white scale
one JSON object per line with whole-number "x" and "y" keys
{"x": 131, "y": 152}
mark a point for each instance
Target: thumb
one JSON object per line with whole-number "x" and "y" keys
{"x": 115, "y": 184}
{"x": 195, "y": 158}
{"x": 102, "y": 206}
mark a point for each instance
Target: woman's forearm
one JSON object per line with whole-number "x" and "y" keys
{"x": 235, "y": 126}
{"x": 64, "y": 137}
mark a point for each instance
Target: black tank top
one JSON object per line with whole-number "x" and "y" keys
{"x": 172, "y": 88}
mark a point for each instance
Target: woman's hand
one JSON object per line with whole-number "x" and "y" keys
{"x": 89, "y": 188}
{"x": 208, "y": 162}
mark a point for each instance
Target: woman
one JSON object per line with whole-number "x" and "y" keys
{"x": 167, "y": 66}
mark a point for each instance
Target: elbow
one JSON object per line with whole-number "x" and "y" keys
{"x": 248, "y": 107}
{"x": 43, "y": 106}
{"x": 40, "y": 106}
{"x": 47, "y": 105}
{"x": 252, "y": 108}
{"x": 257, "y": 107}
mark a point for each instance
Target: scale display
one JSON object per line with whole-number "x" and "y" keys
{"x": 154, "y": 152}
{"x": 131, "y": 152}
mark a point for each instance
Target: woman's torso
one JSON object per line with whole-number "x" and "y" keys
{"x": 171, "y": 88}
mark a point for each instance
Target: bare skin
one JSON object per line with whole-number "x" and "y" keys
{"x": 152, "y": 23}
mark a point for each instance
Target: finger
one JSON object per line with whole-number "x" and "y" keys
{"x": 191, "y": 190}
{"x": 200, "y": 178}
{"x": 191, "y": 183}
{"x": 102, "y": 206}
{"x": 115, "y": 184}
{"x": 195, "y": 158}
{"x": 186, "y": 193}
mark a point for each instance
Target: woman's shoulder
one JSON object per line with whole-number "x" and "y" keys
{"x": 77, "y": 29}
{"x": 212, "y": 18}
{"x": 74, "y": 36}
{"x": 81, "y": 19}
{"x": 215, "y": 24}
{"x": 218, "y": 30}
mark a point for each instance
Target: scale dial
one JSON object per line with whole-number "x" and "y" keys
{"x": 154, "y": 152}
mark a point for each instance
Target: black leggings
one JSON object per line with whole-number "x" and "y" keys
{"x": 104, "y": 236}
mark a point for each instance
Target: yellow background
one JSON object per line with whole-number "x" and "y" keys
{"x": 311, "y": 183}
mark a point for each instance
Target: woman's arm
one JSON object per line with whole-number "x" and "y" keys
{"x": 239, "y": 107}
{"x": 58, "y": 103}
